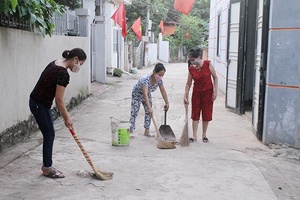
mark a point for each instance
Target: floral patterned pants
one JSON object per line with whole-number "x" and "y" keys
{"x": 137, "y": 99}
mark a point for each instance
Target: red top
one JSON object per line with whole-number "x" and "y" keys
{"x": 202, "y": 77}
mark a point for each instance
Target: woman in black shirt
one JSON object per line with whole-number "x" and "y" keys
{"x": 51, "y": 85}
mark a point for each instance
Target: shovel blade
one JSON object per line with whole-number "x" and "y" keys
{"x": 167, "y": 133}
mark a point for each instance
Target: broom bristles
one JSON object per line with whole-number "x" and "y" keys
{"x": 103, "y": 175}
{"x": 184, "y": 139}
{"x": 166, "y": 145}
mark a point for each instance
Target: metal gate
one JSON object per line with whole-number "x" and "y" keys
{"x": 235, "y": 55}
{"x": 260, "y": 66}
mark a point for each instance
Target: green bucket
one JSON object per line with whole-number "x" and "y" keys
{"x": 120, "y": 134}
{"x": 123, "y": 137}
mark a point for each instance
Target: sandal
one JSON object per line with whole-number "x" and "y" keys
{"x": 205, "y": 139}
{"x": 132, "y": 137}
{"x": 54, "y": 174}
{"x": 191, "y": 140}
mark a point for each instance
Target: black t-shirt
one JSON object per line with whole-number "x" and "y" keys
{"x": 45, "y": 88}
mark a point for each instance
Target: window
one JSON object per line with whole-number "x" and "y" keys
{"x": 219, "y": 26}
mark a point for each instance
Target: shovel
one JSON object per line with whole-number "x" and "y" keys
{"x": 166, "y": 132}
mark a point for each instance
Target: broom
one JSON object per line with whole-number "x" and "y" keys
{"x": 184, "y": 139}
{"x": 161, "y": 143}
{"x": 99, "y": 174}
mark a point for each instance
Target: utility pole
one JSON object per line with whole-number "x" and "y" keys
{"x": 98, "y": 43}
{"x": 147, "y": 22}
{"x": 146, "y": 35}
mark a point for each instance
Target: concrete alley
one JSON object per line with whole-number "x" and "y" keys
{"x": 233, "y": 165}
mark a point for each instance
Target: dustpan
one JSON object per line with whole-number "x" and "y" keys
{"x": 166, "y": 131}
{"x": 162, "y": 143}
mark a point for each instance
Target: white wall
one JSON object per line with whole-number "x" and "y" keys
{"x": 24, "y": 55}
{"x": 112, "y": 57}
{"x": 220, "y": 63}
{"x": 163, "y": 49}
{"x": 90, "y": 4}
{"x": 151, "y": 54}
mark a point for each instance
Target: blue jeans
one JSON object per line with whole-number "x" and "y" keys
{"x": 44, "y": 119}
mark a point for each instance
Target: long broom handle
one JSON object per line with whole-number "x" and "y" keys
{"x": 186, "y": 112}
{"x": 82, "y": 149}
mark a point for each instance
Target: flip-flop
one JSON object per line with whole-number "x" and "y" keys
{"x": 205, "y": 139}
{"x": 192, "y": 140}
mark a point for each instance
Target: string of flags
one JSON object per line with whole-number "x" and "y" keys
{"x": 183, "y": 6}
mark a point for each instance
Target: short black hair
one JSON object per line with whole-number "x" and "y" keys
{"x": 194, "y": 54}
{"x": 159, "y": 67}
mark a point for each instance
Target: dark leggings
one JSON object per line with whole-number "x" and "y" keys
{"x": 44, "y": 119}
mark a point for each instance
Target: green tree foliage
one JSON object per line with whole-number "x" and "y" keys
{"x": 195, "y": 24}
{"x": 159, "y": 9}
{"x": 8, "y": 6}
{"x": 37, "y": 12}
{"x": 71, "y": 4}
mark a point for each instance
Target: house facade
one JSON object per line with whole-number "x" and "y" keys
{"x": 106, "y": 41}
{"x": 24, "y": 55}
{"x": 253, "y": 45}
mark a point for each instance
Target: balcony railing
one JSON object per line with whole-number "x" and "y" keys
{"x": 69, "y": 25}
{"x": 66, "y": 24}
{"x": 11, "y": 22}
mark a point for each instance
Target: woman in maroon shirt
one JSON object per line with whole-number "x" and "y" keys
{"x": 51, "y": 85}
{"x": 204, "y": 92}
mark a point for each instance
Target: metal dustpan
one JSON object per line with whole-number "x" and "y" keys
{"x": 166, "y": 132}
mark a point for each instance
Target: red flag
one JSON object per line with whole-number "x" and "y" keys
{"x": 137, "y": 28}
{"x": 120, "y": 18}
{"x": 161, "y": 26}
{"x": 184, "y": 6}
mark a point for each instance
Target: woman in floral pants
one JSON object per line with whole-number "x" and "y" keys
{"x": 141, "y": 93}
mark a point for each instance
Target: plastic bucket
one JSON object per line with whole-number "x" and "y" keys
{"x": 120, "y": 132}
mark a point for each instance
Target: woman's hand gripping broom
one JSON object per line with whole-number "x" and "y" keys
{"x": 99, "y": 174}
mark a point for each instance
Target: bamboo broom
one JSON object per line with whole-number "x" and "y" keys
{"x": 99, "y": 174}
{"x": 184, "y": 139}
